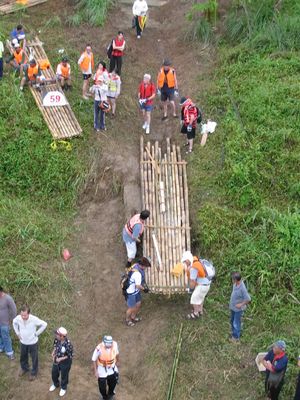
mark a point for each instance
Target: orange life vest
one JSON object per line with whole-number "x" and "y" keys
{"x": 65, "y": 70}
{"x": 32, "y": 72}
{"x": 198, "y": 266}
{"x": 19, "y": 57}
{"x": 44, "y": 64}
{"x": 107, "y": 356}
{"x": 168, "y": 78}
{"x": 133, "y": 221}
{"x": 86, "y": 62}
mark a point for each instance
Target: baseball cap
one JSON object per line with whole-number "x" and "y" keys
{"x": 108, "y": 341}
{"x": 61, "y": 331}
{"x": 281, "y": 344}
{"x": 166, "y": 63}
{"x": 182, "y": 100}
{"x": 187, "y": 256}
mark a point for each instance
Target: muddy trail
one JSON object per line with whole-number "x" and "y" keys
{"x": 112, "y": 193}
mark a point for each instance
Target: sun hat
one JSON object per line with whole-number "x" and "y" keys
{"x": 187, "y": 256}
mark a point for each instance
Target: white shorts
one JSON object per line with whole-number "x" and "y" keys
{"x": 131, "y": 249}
{"x": 199, "y": 294}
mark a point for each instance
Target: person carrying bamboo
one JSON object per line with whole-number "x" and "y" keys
{"x": 132, "y": 233}
{"x": 139, "y": 10}
{"x": 86, "y": 64}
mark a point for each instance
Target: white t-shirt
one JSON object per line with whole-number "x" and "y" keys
{"x": 139, "y": 8}
{"x": 103, "y": 372}
{"x": 135, "y": 279}
{"x": 1, "y": 49}
{"x": 30, "y": 329}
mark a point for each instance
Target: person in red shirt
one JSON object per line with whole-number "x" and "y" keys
{"x": 189, "y": 114}
{"x": 146, "y": 95}
{"x": 118, "y": 46}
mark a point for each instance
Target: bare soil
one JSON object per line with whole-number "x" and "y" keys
{"x": 111, "y": 195}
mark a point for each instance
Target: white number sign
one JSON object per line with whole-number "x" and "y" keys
{"x": 54, "y": 98}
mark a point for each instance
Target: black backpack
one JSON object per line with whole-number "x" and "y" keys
{"x": 125, "y": 280}
{"x": 199, "y": 116}
{"x": 109, "y": 49}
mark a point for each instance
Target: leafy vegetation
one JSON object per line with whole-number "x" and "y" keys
{"x": 92, "y": 11}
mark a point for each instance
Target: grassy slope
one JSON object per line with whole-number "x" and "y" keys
{"x": 244, "y": 194}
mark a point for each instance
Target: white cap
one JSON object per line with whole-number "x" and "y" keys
{"x": 16, "y": 45}
{"x": 147, "y": 76}
{"x": 21, "y": 36}
{"x": 62, "y": 331}
{"x": 187, "y": 256}
{"x": 108, "y": 341}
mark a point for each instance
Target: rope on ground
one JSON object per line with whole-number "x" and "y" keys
{"x": 175, "y": 364}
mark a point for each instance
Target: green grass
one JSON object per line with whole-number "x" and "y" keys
{"x": 92, "y": 11}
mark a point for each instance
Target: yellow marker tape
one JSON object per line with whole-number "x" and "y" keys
{"x": 67, "y": 145}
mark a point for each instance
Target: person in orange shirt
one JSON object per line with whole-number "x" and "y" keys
{"x": 63, "y": 73}
{"x": 32, "y": 74}
{"x": 18, "y": 59}
{"x": 86, "y": 64}
{"x": 167, "y": 87}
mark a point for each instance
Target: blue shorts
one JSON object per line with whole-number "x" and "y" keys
{"x": 132, "y": 299}
{"x": 147, "y": 107}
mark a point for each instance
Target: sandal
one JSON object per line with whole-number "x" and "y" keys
{"x": 136, "y": 319}
{"x": 193, "y": 315}
{"x": 189, "y": 151}
{"x": 129, "y": 323}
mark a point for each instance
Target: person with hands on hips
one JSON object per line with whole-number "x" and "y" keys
{"x": 62, "y": 356}
{"x": 106, "y": 362}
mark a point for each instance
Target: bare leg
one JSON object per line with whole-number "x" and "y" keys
{"x": 113, "y": 106}
{"x": 190, "y": 142}
{"x": 165, "y": 106}
{"x": 23, "y": 81}
{"x": 85, "y": 87}
{"x": 62, "y": 82}
{"x": 148, "y": 117}
{"x": 173, "y": 107}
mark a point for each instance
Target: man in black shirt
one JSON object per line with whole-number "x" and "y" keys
{"x": 62, "y": 355}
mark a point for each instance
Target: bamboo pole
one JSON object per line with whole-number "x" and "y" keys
{"x": 175, "y": 364}
{"x": 154, "y": 180}
{"x": 182, "y": 280}
{"x": 147, "y": 230}
{"x": 170, "y": 232}
{"x": 178, "y": 208}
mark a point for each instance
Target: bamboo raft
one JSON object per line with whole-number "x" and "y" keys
{"x": 61, "y": 120}
{"x": 10, "y": 6}
{"x": 167, "y": 231}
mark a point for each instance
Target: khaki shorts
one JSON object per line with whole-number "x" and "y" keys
{"x": 199, "y": 294}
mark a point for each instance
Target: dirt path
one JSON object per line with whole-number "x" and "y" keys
{"x": 110, "y": 197}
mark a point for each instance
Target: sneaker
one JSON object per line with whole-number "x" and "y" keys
{"x": 148, "y": 130}
{"x": 1, "y": 351}
{"x": 138, "y": 36}
{"x": 62, "y": 392}
{"x": 11, "y": 357}
{"x": 52, "y": 388}
{"x": 145, "y": 125}
{"x": 21, "y": 88}
{"x": 22, "y": 372}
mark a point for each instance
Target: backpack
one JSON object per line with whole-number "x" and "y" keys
{"x": 125, "y": 280}
{"x": 109, "y": 49}
{"x": 209, "y": 269}
{"x": 199, "y": 116}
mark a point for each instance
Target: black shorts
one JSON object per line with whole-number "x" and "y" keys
{"x": 190, "y": 135}
{"x": 167, "y": 94}
{"x": 86, "y": 76}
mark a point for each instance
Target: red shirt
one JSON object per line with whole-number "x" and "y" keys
{"x": 146, "y": 91}
{"x": 118, "y": 43}
{"x": 189, "y": 110}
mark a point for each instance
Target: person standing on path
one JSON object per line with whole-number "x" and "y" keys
{"x": 106, "y": 361}
{"x": 199, "y": 282}
{"x": 238, "y": 303}
{"x": 86, "y": 64}
{"x": 100, "y": 93}
{"x": 114, "y": 90}
{"x": 275, "y": 363}
{"x": 297, "y": 394}
{"x": 28, "y": 329}
{"x": 118, "y": 45}
{"x": 139, "y": 11}
{"x": 1, "y": 58}
{"x": 62, "y": 356}
{"x": 146, "y": 96}
{"x": 8, "y": 312}
{"x": 133, "y": 293}
{"x": 167, "y": 87}
{"x": 189, "y": 114}
{"x": 132, "y": 233}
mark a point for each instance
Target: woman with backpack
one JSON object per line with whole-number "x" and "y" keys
{"x": 200, "y": 274}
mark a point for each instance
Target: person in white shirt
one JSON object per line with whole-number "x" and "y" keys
{"x": 139, "y": 9}
{"x": 133, "y": 293}
{"x": 28, "y": 329}
{"x": 100, "y": 92}
{"x": 1, "y": 59}
{"x": 105, "y": 365}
